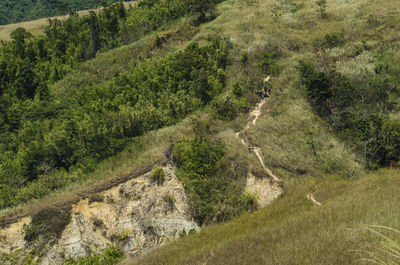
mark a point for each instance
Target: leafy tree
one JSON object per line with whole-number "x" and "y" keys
{"x": 202, "y": 8}
{"x": 19, "y": 36}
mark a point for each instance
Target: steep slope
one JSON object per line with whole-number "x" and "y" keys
{"x": 266, "y": 190}
{"x": 293, "y": 230}
{"x": 307, "y": 135}
{"x": 138, "y": 214}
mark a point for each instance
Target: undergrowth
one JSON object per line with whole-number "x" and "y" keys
{"x": 212, "y": 180}
{"x": 111, "y": 255}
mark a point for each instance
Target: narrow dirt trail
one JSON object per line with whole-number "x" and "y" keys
{"x": 256, "y": 113}
{"x": 310, "y": 196}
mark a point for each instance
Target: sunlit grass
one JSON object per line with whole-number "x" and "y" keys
{"x": 294, "y": 231}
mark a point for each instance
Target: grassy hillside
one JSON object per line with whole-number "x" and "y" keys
{"x": 295, "y": 231}
{"x": 331, "y": 121}
{"x": 305, "y": 146}
{"x": 12, "y": 11}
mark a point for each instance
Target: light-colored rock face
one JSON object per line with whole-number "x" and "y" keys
{"x": 264, "y": 188}
{"x": 11, "y": 237}
{"x": 139, "y": 215}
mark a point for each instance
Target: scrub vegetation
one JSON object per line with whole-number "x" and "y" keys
{"x": 47, "y": 134}
{"x": 174, "y": 80}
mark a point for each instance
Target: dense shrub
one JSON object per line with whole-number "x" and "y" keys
{"x": 227, "y": 108}
{"x": 210, "y": 178}
{"x": 111, "y": 255}
{"x": 268, "y": 63}
{"x": 331, "y": 40}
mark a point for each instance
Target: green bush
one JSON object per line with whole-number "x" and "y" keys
{"x": 227, "y": 108}
{"x": 317, "y": 85}
{"x": 244, "y": 59}
{"x": 334, "y": 39}
{"x": 111, "y": 255}
{"x": 321, "y": 8}
{"x": 268, "y": 63}
{"x": 170, "y": 199}
{"x": 206, "y": 173}
{"x": 388, "y": 146}
{"x": 158, "y": 175}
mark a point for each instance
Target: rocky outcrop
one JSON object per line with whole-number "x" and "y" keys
{"x": 138, "y": 215}
{"x": 11, "y": 237}
{"x": 264, "y": 189}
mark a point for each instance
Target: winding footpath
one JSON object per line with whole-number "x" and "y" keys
{"x": 267, "y": 190}
{"x": 244, "y": 139}
{"x": 256, "y": 113}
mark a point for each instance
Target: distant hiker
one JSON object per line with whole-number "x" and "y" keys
{"x": 393, "y": 164}
{"x": 268, "y": 91}
{"x": 266, "y": 87}
{"x": 263, "y": 95}
{"x": 257, "y": 105}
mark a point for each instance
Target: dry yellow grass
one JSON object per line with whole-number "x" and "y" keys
{"x": 293, "y": 230}
{"x": 36, "y": 27}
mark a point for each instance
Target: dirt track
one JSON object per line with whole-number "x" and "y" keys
{"x": 256, "y": 113}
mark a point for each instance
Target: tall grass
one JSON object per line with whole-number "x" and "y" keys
{"x": 294, "y": 231}
{"x": 296, "y": 142}
{"x": 387, "y": 251}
